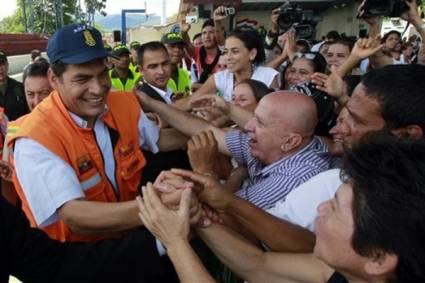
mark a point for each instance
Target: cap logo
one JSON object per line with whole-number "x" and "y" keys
{"x": 89, "y": 38}
{"x": 174, "y": 35}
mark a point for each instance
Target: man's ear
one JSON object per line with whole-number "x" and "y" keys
{"x": 53, "y": 79}
{"x": 291, "y": 142}
{"x": 381, "y": 264}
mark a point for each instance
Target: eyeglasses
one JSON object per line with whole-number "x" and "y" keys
{"x": 309, "y": 56}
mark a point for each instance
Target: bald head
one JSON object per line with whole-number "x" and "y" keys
{"x": 294, "y": 109}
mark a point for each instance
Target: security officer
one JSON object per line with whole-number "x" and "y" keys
{"x": 179, "y": 81}
{"x": 122, "y": 78}
{"x": 134, "y": 45}
{"x": 12, "y": 96}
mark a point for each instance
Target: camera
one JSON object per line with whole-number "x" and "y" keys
{"x": 191, "y": 19}
{"x": 289, "y": 14}
{"x": 293, "y": 16}
{"x": 390, "y": 8}
{"x": 228, "y": 11}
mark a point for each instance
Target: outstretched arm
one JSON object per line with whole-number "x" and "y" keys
{"x": 254, "y": 265}
{"x": 278, "y": 234}
{"x": 172, "y": 229}
{"x": 216, "y": 104}
{"x": 182, "y": 121}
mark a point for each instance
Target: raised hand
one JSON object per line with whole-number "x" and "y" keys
{"x": 202, "y": 150}
{"x": 332, "y": 84}
{"x": 366, "y": 47}
{"x": 219, "y": 14}
{"x": 291, "y": 44}
{"x": 412, "y": 15}
{"x": 184, "y": 27}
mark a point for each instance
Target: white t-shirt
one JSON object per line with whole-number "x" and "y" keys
{"x": 224, "y": 80}
{"x": 49, "y": 182}
{"x": 300, "y": 205}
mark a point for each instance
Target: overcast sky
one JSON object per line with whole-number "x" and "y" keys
{"x": 113, "y": 6}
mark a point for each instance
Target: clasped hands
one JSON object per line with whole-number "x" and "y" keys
{"x": 178, "y": 199}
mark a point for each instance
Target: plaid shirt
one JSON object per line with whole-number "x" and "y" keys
{"x": 271, "y": 183}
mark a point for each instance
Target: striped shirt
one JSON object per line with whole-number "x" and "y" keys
{"x": 270, "y": 184}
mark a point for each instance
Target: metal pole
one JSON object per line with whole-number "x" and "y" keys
{"x": 123, "y": 27}
{"x": 31, "y": 16}
{"x": 24, "y": 16}
{"x": 164, "y": 15}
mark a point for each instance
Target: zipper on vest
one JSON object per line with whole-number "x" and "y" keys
{"x": 116, "y": 190}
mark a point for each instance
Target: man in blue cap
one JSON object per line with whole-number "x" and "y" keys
{"x": 77, "y": 156}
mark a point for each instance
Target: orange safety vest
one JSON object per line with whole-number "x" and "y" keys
{"x": 51, "y": 125}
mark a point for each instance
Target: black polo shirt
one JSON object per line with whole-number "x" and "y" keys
{"x": 13, "y": 100}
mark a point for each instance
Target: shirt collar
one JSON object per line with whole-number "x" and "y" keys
{"x": 271, "y": 167}
{"x": 164, "y": 94}
{"x": 82, "y": 123}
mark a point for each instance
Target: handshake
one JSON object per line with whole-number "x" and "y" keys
{"x": 178, "y": 199}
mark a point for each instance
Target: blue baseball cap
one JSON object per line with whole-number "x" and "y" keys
{"x": 76, "y": 44}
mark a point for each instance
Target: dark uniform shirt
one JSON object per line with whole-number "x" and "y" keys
{"x": 13, "y": 100}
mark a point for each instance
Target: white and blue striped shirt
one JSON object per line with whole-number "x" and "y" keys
{"x": 271, "y": 183}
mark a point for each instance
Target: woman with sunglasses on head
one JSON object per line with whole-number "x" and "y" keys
{"x": 301, "y": 68}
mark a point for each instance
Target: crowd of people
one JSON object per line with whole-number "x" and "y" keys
{"x": 288, "y": 160}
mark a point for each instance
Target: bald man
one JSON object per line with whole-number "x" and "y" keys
{"x": 278, "y": 148}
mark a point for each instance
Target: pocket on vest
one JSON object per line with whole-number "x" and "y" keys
{"x": 131, "y": 165}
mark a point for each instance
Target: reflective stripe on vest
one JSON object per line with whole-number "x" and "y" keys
{"x": 91, "y": 182}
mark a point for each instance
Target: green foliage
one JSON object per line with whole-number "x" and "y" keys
{"x": 44, "y": 15}
{"x": 11, "y": 24}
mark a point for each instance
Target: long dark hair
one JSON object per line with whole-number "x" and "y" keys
{"x": 251, "y": 39}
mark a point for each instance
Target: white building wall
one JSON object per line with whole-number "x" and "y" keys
{"x": 342, "y": 20}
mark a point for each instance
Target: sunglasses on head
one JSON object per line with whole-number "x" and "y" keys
{"x": 310, "y": 56}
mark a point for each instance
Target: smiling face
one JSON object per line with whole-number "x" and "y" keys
{"x": 363, "y": 116}
{"x": 238, "y": 57}
{"x": 243, "y": 95}
{"x": 337, "y": 133}
{"x": 155, "y": 68}
{"x": 83, "y": 88}
{"x": 299, "y": 72}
